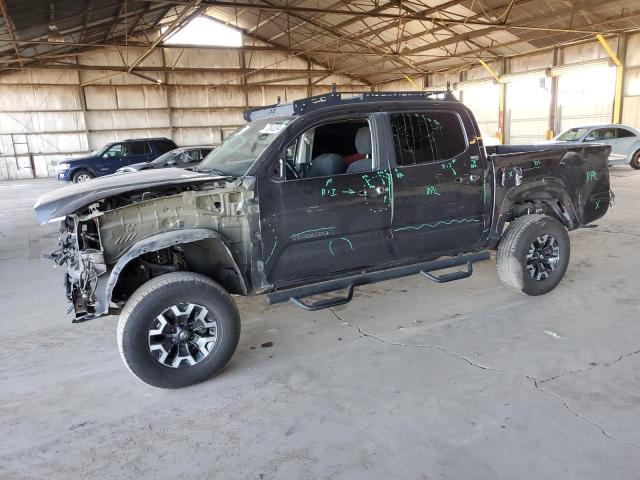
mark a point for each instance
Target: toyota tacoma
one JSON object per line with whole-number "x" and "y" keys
{"x": 317, "y": 196}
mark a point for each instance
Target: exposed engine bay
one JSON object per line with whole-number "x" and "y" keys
{"x": 94, "y": 240}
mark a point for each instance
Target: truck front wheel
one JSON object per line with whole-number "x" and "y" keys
{"x": 178, "y": 329}
{"x": 533, "y": 254}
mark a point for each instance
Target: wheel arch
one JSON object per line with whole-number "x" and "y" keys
{"x": 81, "y": 168}
{"x": 548, "y": 192}
{"x": 194, "y": 242}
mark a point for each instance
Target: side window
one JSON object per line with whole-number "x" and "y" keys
{"x": 138, "y": 148}
{"x": 204, "y": 152}
{"x": 115, "y": 151}
{"x": 623, "y": 133}
{"x": 600, "y": 134}
{"x": 427, "y": 137}
{"x": 332, "y": 148}
{"x": 188, "y": 157}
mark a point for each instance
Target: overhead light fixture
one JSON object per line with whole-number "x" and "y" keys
{"x": 54, "y": 35}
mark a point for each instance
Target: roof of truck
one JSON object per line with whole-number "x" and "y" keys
{"x": 306, "y": 105}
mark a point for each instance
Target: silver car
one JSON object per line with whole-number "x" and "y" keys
{"x": 624, "y": 141}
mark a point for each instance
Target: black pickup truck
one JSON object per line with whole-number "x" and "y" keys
{"x": 320, "y": 195}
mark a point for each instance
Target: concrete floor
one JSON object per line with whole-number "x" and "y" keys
{"x": 410, "y": 381}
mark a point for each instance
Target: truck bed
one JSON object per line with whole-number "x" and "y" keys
{"x": 578, "y": 175}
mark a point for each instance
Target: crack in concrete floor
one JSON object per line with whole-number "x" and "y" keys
{"x": 535, "y": 381}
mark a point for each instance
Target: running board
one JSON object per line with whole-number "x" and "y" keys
{"x": 296, "y": 295}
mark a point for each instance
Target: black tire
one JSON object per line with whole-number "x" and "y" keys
{"x": 522, "y": 237}
{"x": 635, "y": 160}
{"x": 140, "y": 317}
{"x": 82, "y": 176}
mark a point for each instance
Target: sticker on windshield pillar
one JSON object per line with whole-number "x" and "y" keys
{"x": 272, "y": 128}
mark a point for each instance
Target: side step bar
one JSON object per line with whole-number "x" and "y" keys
{"x": 297, "y": 294}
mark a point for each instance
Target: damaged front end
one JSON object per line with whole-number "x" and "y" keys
{"x": 80, "y": 249}
{"x": 112, "y": 246}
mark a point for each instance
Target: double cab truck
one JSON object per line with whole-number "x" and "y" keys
{"x": 311, "y": 197}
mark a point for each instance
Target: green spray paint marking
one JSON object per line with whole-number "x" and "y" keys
{"x": 386, "y": 177}
{"x": 366, "y": 179}
{"x": 474, "y": 162}
{"x": 450, "y": 166}
{"x": 431, "y": 190}
{"x": 349, "y": 191}
{"x": 536, "y": 163}
{"x": 341, "y": 238}
{"x": 295, "y": 236}
{"x": 597, "y": 204}
{"x": 272, "y": 250}
{"x": 441, "y": 222}
{"x": 398, "y": 173}
{"x": 326, "y": 191}
{"x": 592, "y": 175}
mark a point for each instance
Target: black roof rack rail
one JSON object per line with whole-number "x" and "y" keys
{"x": 305, "y": 105}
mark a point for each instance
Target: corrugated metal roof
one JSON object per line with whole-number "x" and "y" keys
{"x": 371, "y": 40}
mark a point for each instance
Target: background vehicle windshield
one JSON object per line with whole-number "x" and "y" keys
{"x": 165, "y": 157}
{"x": 237, "y": 153}
{"x": 571, "y": 135}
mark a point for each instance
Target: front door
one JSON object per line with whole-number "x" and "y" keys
{"x": 327, "y": 208}
{"x": 112, "y": 159}
{"x": 441, "y": 192}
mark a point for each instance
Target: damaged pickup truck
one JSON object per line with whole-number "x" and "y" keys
{"x": 316, "y": 196}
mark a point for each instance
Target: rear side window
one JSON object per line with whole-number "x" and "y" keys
{"x": 427, "y": 137}
{"x": 138, "y": 148}
{"x": 164, "y": 146}
{"x": 624, "y": 133}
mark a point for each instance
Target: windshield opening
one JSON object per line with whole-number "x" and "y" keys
{"x": 239, "y": 151}
{"x": 571, "y": 135}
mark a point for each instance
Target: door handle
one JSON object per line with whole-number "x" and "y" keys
{"x": 374, "y": 192}
{"x": 468, "y": 179}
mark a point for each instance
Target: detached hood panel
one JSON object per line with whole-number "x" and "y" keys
{"x": 66, "y": 200}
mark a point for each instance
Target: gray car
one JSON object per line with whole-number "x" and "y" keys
{"x": 184, "y": 157}
{"x": 624, "y": 141}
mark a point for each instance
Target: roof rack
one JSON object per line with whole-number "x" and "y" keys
{"x": 305, "y": 105}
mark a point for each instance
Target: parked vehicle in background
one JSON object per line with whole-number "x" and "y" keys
{"x": 624, "y": 141}
{"x": 326, "y": 193}
{"x": 113, "y": 156}
{"x": 184, "y": 157}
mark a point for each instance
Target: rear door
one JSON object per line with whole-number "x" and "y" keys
{"x": 321, "y": 224}
{"x": 138, "y": 152}
{"x": 441, "y": 190}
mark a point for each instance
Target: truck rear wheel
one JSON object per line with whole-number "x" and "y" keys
{"x": 533, "y": 254}
{"x": 178, "y": 329}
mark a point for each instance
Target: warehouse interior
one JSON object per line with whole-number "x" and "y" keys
{"x": 79, "y": 75}
{"x": 409, "y": 380}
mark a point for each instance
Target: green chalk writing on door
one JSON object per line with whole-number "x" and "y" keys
{"x": 431, "y": 190}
